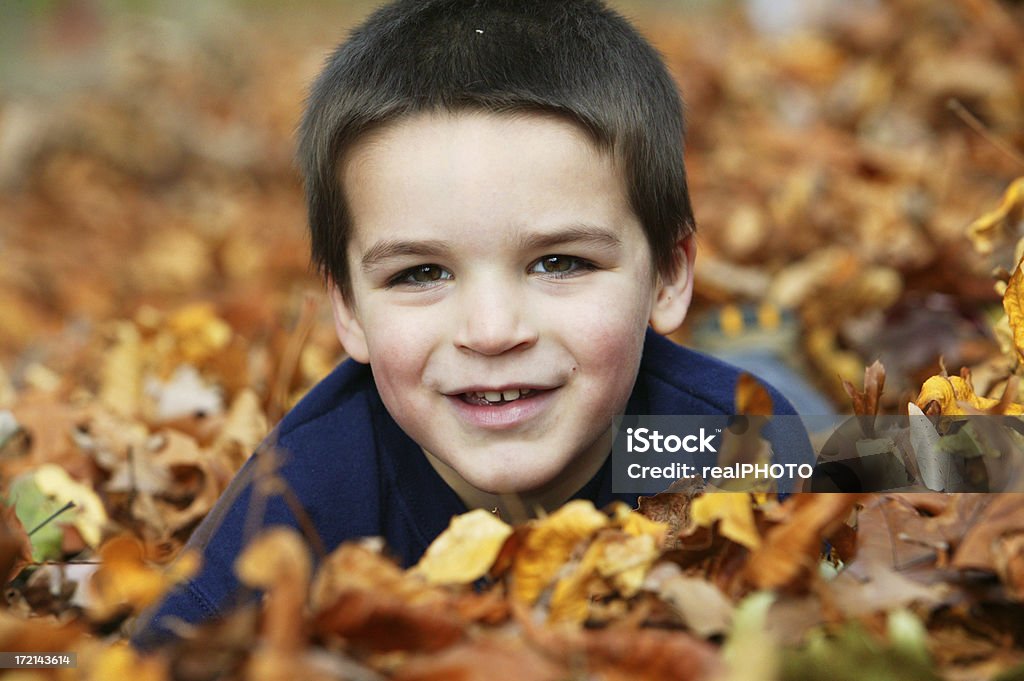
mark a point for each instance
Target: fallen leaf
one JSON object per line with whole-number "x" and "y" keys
{"x": 383, "y": 622}
{"x": 495, "y": 658}
{"x": 866, "y": 402}
{"x": 126, "y": 581}
{"x": 752, "y": 398}
{"x": 952, "y": 395}
{"x": 121, "y": 372}
{"x": 1013, "y": 302}
{"x": 993, "y": 227}
{"x": 699, "y": 604}
{"x": 278, "y": 562}
{"x": 549, "y": 544}
{"x": 788, "y": 556}
{"x": 982, "y": 545}
{"x": 466, "y": 550}
{"x": 15, "y": 545}
{"x": 734, "y": 513}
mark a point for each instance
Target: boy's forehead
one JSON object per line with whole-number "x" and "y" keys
{"x": 458, "y": 166}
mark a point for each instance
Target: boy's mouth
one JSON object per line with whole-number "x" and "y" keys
{"x": 493, "y": 397}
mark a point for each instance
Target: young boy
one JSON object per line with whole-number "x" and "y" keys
{"x": 498, "y": 202}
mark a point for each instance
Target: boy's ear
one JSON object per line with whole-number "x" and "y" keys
{"x": 347, "y": 326}
{"x": 672, "y": 295}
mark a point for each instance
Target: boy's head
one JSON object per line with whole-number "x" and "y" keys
{"x": 497, "y": 196}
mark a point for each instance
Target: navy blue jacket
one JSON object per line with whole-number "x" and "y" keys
{"x": 357, "y": 474}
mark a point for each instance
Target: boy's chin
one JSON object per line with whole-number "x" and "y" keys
{"x": 511, "y": 483}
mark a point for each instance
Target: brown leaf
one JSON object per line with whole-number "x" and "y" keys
{"x": 490, "y": 658}
{"x": 360, "y": 567}
{"x": 991, "y": 541}
{"x": 649, "y": 654}
{"x": 15, "y": 546}
{"x": 865, "y": 403}
{"x": 383, "y": 622}
{"x": 699, "y": 604}
{"x": 670, "y": 508}
{"x": 789, "y": 555}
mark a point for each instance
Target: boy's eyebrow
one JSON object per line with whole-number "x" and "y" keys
{"x": 391, "y": 248}
{"x": 581, "y": 233}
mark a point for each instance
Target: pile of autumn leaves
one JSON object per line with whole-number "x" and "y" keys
{"x": 692, "y": 585}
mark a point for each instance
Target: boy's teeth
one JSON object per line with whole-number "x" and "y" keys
{"x": 495, "y": 396}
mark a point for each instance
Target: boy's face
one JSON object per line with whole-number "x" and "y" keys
{"x": 501, "y": 287}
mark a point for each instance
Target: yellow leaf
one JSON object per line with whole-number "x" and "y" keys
{"x": 734, "y": 512}
{"x": 613, "y": 561}
{"x": 950, "y": 393}
{"x": 199, "y": 331}
{"x": 91, "y": 516}
{"x": 992, "y": 226}
{"x": 625, "y": 563}
{"x": 637, "y": 524}
{"x": 466, "y": 550}
{"x": 549, "y": 544}
{"x": 121, "y": 373}
{"x": 1013, "y": 303}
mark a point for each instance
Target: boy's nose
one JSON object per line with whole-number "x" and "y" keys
{"x": 492, "y": 323}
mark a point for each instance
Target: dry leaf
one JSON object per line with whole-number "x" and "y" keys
{"x": 549, "y": 544}
{"x": 121, "y": 373}
{"x": 734, "y": 513}
{"x": 466, "y": 550}
{"x": 788, "y": 556}
{"x": 495, "y": 658}
{"x": 994, "y": 227}
{"x": 866, "y": 402}
{"x": 1013, "y": 303}
{"x": 15, "y": 545}
{"x": 700, "y": 605}
{"x": 279, "y": 563}
{"x": 383, "y": 622}
{"x": 948, "y": 396}
{"x": 90, "y": 516}
{"x": 125, "y": 580}
{"x": 752, "y": 399}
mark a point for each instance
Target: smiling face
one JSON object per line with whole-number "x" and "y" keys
{"x": 500, "y": 290}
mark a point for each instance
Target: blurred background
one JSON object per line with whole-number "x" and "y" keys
{"x": 152, "y": 244}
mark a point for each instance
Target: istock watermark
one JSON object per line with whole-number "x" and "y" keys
{"x": 979, "y": 453}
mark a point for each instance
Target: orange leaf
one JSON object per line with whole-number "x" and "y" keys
{"x": 790, "y": 553}
{"x": 752, "y": 399}
{"x": 125, "y": 579}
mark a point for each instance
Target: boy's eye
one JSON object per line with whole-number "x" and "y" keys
{"x": 421, "y": 275}
{"x": 560, "y": 265}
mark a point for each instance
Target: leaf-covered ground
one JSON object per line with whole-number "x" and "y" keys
{"x": 158, "y": 316}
